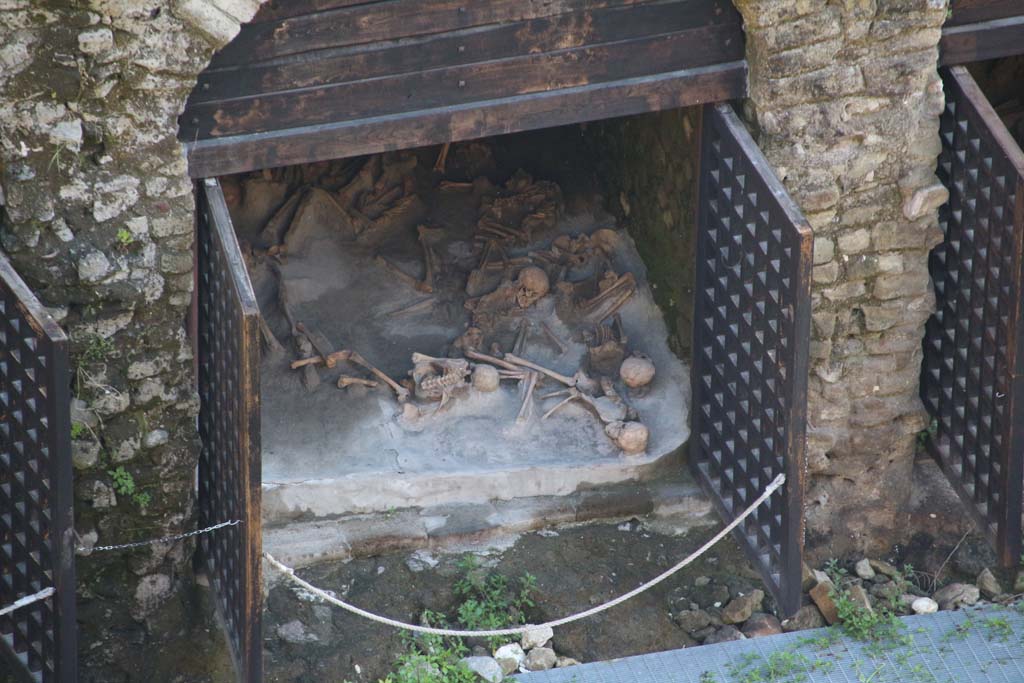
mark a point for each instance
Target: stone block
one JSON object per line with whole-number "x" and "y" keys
{"x": 845, "y": 291}
{"x": 925, "y": 200}
{"x": 854, "y": 242}
{"x": 824, "y": 250}
{"x": 825, "y": 274}
{"x": 96, "y": 41}
{"x": 900, "y": 285}
{"x": 214, "y": 24}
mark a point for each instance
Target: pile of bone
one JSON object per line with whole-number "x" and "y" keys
{"x": 439, "y": 379}
{"x": 364, "y": 200}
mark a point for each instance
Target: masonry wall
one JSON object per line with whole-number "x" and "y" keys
{"x": 844, "y": 101}
{"x": 647, "y": 167}
{"x": 96, "y": 212}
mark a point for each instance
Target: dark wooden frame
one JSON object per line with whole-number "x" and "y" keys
{"x": 773, "y": 537}
{"x": 52, "y": 541}
{"x": 220, "y": 156}
{"x": 982, "y": 29}
{"x": 972, "y": 375}
{"x": 229, "y": 427}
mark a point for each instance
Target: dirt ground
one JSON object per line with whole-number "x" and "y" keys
{"x": 576, "y": 568}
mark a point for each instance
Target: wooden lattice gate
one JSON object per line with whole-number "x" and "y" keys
{"x": 972, "y": 381}
{"x": 750, "y": 346}
{"x": 229, "y": 426}
{"x": 36, "y": 519}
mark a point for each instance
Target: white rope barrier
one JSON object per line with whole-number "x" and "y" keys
{"x": 27, "y": 600}
{"x": 290, "y": 574}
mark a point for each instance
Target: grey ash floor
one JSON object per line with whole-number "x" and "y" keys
{"x": 982, "y": 645}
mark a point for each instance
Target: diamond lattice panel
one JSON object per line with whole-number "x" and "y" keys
{"x": 35, "y": 485}
{"x": 971, "y": 357}
{"x": 229, "y": 466}
{"x": 750, "y": 347}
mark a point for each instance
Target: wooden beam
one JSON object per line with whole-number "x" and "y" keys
{"x": 468, "y": 121}
{"x": 976, "y": 11}
{"x": 985, "y": 40}
{"x": 464, "y": 84}
{"x": 370, "y": 23}
{"x": 454, "y": 48}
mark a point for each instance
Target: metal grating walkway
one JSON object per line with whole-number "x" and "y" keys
{"x": 983, "y": 645}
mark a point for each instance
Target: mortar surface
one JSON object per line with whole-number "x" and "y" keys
{"x": 333, "y": 451}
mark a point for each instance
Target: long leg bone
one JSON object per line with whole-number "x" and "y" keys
{"x": 400, "y": 391}
{"x": 476, "y": 355}
{"x": 520, "y": 342}
{"x": 416, "y": 307}
{"x": 516, "y": 360}
{"x": 346, "y": 381}
{"x": 527, "y": 408}
{"x": 573, "y": 395}
{"x": 552, "y": 337}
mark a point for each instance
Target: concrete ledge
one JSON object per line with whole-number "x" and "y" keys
{"x": 304, "y": 543}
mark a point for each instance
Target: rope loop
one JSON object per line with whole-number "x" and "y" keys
{"x": 323, "y": 595}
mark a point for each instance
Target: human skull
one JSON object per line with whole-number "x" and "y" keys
{"x": 631, "y": 437}
{"x": 637, "y": 371}
{"x": 486, "y": 378}
{"x": 531, "y": 285}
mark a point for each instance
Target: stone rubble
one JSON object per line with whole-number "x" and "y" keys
{"x": 870, "y": 584}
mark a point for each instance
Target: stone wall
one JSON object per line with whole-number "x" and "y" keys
{"x": 96, "y": 212}
{"x": 844, "y": 101}
{"x": 647, "y": 167}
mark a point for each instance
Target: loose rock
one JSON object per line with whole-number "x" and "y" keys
{"x": 883, "y": 567}
{"x": 563, "y": 662}
{"x": 509, "y": 657}
{"x": 761, "y": 624}
{"x": 924, "y": 606}
{"x": 295, "y": 632}
{"x": 805, "y": 618}
{"x": 859, "y": 596}
{"x": 486, "y": 668}
{"x": 691, "y": 620}
{"x": 956, "y": 595}
{"x": 864, "y": 570}
{"x": 1018, "y": 584}
{"x": 724, "y": 635}
{"x": 540, "y": 659}
{"x": 536, "y": 637}
{"x": 739, "y": 609}
{"x": 988, "y": 584}
{"x": 822, "y": 597}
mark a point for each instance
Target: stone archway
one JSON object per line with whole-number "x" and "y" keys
{"x": 96, "y": 213}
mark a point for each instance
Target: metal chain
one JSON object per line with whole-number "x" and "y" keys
{"x": 165, "y": 539}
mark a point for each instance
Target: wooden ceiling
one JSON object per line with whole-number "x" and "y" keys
{"x": 982, "y": 29}
{"x": 309, "y": 80}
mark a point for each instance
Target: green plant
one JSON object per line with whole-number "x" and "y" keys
{"x": 77, "y": 430}
{"x": 781, "y": 666}
{"x": 124, "y": 485}
{"x": 97, "y": 350}
{"x": 490, "y": 601}
{"x": 998, "y": 628}
{"x": 125, "y": 238}
{"x": 431, "y": 659}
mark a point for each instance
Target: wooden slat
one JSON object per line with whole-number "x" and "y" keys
{"x": 986, "y": 40}
{"x": 464, "y": 84}
{"x": 455, "y": 48}
{"x": 473, "y": 120}
{"x": 402, "y": 19}
{"x": 282, "y": 9}
{"x": 974, "y": 11}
